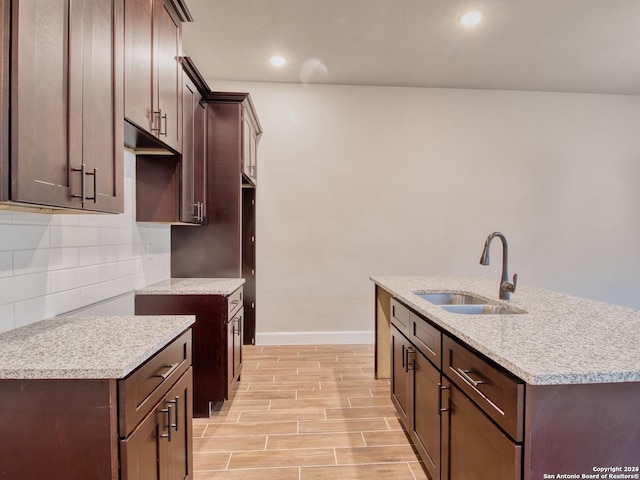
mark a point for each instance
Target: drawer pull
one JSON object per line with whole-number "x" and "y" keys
{"x": 465, "y": 376}
{"x": 168, "y": 412}
{"x": 168, "y": 372}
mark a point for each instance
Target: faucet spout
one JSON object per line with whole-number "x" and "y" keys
{"x": 506, "y": 287}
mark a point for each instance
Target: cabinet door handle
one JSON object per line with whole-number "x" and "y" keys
{"x": 441, "y": 387}
{"x": 83, "y": 183}
{"x": 95, "y": 185}
{"x": 410, "y": 365}
{"x": 176, "y": 402}
{"x": 160, "y": 132}
{"x": 465, "y": 376}
{"x": 168, "y": 412}
{"x": 171, "y": 368}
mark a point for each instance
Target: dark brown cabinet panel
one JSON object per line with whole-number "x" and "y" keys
{"x": 153, "y": 74}
{"x": 425, "y": 427}
{"x": 476, "y": 448}
{"x": 401, "y": 388}
{"x": 216, "y": 353}
{"x": 66, "y": 132}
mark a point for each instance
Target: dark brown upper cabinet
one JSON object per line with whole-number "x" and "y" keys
{"x": 193, "y": 162}
{"x": 62, "y": 136}
{"x": 153, "y": 74}
{"x": 171, "y": 188}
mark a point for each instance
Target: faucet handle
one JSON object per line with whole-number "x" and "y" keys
{"x": 510, "y": 287}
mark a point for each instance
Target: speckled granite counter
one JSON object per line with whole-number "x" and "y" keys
{"x": 86, "y": 347}
{"x": 193, "y": 286}
{"x": 560, "y": 340}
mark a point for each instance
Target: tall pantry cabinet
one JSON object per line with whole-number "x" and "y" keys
{"x": 225, "y": 246}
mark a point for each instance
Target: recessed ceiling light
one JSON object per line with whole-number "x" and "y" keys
{"x": 277, "y": 60}
{"x": 471, "y": 18}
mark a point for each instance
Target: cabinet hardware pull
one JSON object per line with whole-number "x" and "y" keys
{"x": 171, "y": 368}
{"x": 83, "y": 185}
{"x": 168, "y": 412}
{"x": 156, "y": 117}
{"x": 166, "y": 127}
{"x": 176, "y": 402}
{"x": 410, "y": 363}
{"x": 465, "y": 376}
{"x": 95, "y": 186}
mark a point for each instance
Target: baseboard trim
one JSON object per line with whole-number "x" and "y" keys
{"x": 315, "y": 338}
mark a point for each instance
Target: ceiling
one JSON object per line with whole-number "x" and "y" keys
{"x": 590, "y": 46}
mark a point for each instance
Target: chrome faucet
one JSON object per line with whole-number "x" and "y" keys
{"x": 506, "y": 287}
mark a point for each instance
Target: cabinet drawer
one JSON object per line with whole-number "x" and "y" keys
{"x": 400, "y": 316}
{"x": 145, "y": 386}
{"x": 427, "y": 338}
{"x": 234, "y": 302}
{"x": 498, "y": 393}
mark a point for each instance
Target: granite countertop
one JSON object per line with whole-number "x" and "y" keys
{"x": 86, "y": 347}
{"x": 560, "y": 340}
{"x": 193, "y": 286}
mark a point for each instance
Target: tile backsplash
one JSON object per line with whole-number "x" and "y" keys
{"x": 52, "y": 264}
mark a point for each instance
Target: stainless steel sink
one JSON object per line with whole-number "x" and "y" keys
{"x": 466, "y": 304}
{"x": 441, "y": 298}
{"x": 480, "y": 309}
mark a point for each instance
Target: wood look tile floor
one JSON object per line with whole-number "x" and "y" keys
{"x": 306, "y": 413}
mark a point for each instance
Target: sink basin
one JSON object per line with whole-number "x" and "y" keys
{"x": 451, "y": 298}
{"x": 480, "y": 309}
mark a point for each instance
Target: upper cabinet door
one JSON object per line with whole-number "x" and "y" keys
{"x": 138, "y": 62}
{"x": 153, "y": 73}
{"x": 66, "y": 130}
{"x": 168, "y": 87}
{"x": 192, "y": 204}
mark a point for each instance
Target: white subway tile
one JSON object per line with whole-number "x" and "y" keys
{"x": 6, "y": 318}
{"x": 23, "y": 237}
{"x": 114, "y": 270}
{"x": 6, "y": 264}
{"x": 6, "y": 217}
{"x": 75, "y": 277}
{"x": 105, "y": 254}
{"x": 22, "y": 287}
{"x": 116, "y": 236}
{"x": 29, "y": 218}
{"x": 104, "y": 290}
{"x": 74, "y": 236}
{"x": 44, "y": 260}
{"x": 40, "y": 308}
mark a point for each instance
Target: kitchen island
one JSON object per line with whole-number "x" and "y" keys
{"x": 96, "y": 397}
{"x": 549, "y": 391}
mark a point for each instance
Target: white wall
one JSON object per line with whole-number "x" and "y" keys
{"x": 51, "y": 264}
{"x": 360, "y": 181}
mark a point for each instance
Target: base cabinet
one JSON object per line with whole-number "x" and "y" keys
{"x": 159, "y": 447}
{"x": 133, "y": 428}
{"x": 217, "y": 341}
{"x": 455, "y": 438}
{"x": 475, "y": 448}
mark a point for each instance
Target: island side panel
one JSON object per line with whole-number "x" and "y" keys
{"x": 573, "y": 429}
{"x": 58, "y": 429}
{"x": 383, "y": 335}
